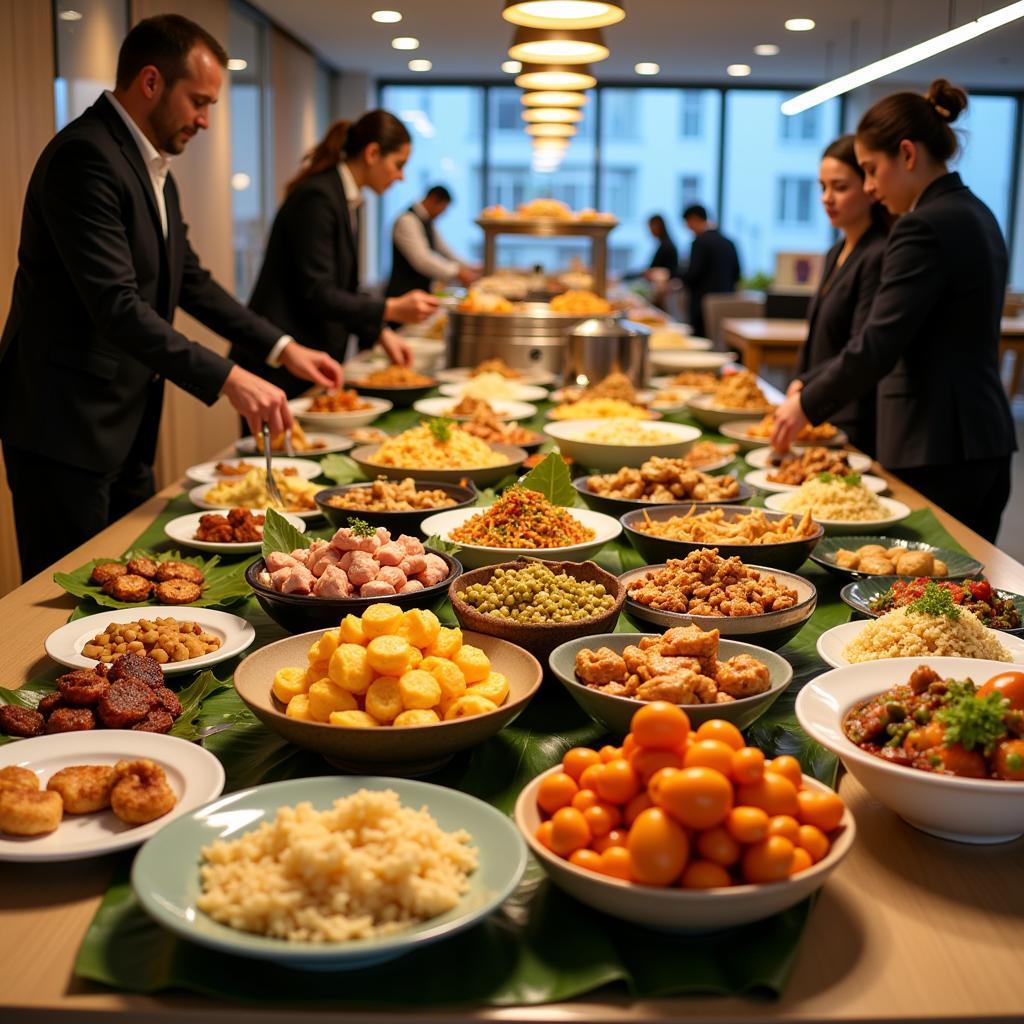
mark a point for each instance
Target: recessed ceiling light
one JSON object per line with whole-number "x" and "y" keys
{"x": 70, "y": 15}
{"x": 420, "y": 65}
{"x": 564, "y": 13}
{"x": 647, "y": 67}
{"x": 766, "y": 50}
{"x": 240, "y": 181}
{"x": 800, "y": 24}
{"x": 237, "y": 64}
{"x": 386, "y": 17}
{"x": 554, "y": 76}
{"x": 405, "y": 43}
{"x": 552, "y": 98}
{"x": 558, "y": 46}
{"x": 738, "y": 70}
{"x": 511, "y": 67}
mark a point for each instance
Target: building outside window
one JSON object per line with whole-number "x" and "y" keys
{"x": 692, "y": 110}
{"x": 691, "y": 189}
{"x": 795, "y": 200}
{"x": 799, "y": 127}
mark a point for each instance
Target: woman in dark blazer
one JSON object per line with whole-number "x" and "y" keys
{"x": 931, "y": 341}
{"x": 309, "y": 281}
{"x": 849, "y": 280}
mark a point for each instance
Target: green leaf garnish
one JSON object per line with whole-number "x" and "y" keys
{"x": 973, "y": 721}
{"x": 850, "y": 479}
{"x": 436, "y": 543}
{"x": 551, "y": 478}
{"x": 441, "y": 428}
{"x": 360, "y": 527}
{"x": 935, "y": 601}
{"x": 280, "y": 535}
{"x": 341, "y": 469}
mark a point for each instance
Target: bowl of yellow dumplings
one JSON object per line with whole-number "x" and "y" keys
{"x": 390, "y": 691}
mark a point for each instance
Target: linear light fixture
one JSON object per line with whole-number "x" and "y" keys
{"x": 564, "y": 13}
{"x": 904, "y": 59}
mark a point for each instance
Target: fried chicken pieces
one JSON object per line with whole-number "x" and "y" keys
{"x": 136, "y": 791}
{"x": 663, "y": 481}
{"x": 681, "y": 667}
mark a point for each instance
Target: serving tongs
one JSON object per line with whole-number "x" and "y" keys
{"x": 272, "y": 489}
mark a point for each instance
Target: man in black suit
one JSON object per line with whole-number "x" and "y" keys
{"x": 714, "y": 264}
{"x": 104, "y": 261}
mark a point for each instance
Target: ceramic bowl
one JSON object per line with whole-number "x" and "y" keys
{"x": 705, "y": 411}
{"x": 895, "y": 511}
{"x": 482, "y": 476}
{"x": 342, "y": 421}
{"x": 619, "y": 506}
{"x": 570, "y": 436}
{"x": 397, "y": 522}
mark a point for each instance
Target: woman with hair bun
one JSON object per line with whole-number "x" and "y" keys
{"x": 931, "y": 341}
{"x": 309, "y": 281}
{"x": 853, "y": 268}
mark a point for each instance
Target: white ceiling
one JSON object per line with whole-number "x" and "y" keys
{"x": 692, "y": 40}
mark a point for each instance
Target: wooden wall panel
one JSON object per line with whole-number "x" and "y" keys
{"x": 293, "y": 108}
{"x": 26, "y": 111}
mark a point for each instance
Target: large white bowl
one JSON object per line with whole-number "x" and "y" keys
{"x": 503, "y": 408}
{"x": 339, "y": 420}
{"x": 897, "y": 511}
{"x": 682, "y": 359}
{"x": 760, "y": 458}
{"x": 964, "y": 810}
{"x": 705, "y": 410}
{"x": 460, "y": 374}
{"x": 569, "y": 436}
{"x": 517, "y": 392}
{"x": 832, "y": 643}
{"x": 473, "y": 556}
{"x": 673, "y": 909}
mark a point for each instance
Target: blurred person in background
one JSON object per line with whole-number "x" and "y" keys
{"x": 419, "y": 255}
{"x": 664, "y": 263}
{"x": 849, "y": 280}
{"x": 309, "y": 281}
{"x": 714, "y": 266}
{"x": 104, "y": 262}
{"x": 931, "y": 341}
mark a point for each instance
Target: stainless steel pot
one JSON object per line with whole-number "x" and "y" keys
{"x": 603, "y": 345}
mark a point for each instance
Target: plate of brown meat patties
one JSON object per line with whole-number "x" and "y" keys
{"x": 235, "y": 531}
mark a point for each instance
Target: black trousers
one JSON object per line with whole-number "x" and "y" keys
{"x": 57, "y": 507}
{"x": 973, "y": 492}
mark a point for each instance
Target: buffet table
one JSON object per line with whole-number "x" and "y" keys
{"x": 910, "y": 927}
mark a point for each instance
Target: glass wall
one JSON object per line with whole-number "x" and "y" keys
{"x": 446, "y": 124}
{"x": 986, "y": 152}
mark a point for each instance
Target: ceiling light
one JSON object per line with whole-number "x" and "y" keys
{"x": 558, "y": 46}
{"x": 555, "y": 76}
{"x": 766, "y": 50}
{"x": 552, "y": 115}
{"x": 420, "y": 65}
{"x": 647, "y": 67}
{"x": 405, "y": 43}
{"x": 511, "y": 67}
{"x": 550, "y": 144}
{"x": 237, "y": 64}
{"x": 240, "y": 181}
{"x": 551, "y": 98}
{"x": 564, "y": 13}
{"x": 738, "y": 70}
{"x": 551, "y": 131}
{"x": 905, "y": 58}
{"x": 800, "y": 24}
{"x": 386, "y": 17}
{"x": 70, "y": 15}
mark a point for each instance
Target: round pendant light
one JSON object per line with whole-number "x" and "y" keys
{"x": 551, "y": 131}
{"x": 552, "y": 115}
{"x": 558, "y": 46}
{"x": 552, "y": 145}
{"x": 564, "y": 13}
{"x": 553, "y": 98}
{"x": 555, "y": 76}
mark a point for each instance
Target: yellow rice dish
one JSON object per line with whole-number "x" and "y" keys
{"x": 836, "y": 499}
{"x": 251, "y": 492}
{"x": 626, "y": 432}
{"x": 600, "y": 409}
{"x": 422, "y": 448}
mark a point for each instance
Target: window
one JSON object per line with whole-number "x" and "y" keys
{"x": 507, "y": 112}
{"x": 691, "y": 189}
{"x": 619, "y": 189}
{"x": 985, "y": 160}
{"x": 799, "y": 127}
{"x": 691, "y": 105}
{"x": 325, "y": 82}
{"x": 794, "y": 200}
{"x": 619, "y": 110}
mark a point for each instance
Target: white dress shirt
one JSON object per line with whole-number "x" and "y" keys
{"x": 410, "y": 237}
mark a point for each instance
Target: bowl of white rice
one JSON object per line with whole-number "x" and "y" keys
{"x": 331, "y": 873}
{"x": 840, "y": 504}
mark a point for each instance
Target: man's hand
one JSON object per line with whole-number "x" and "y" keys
{"x": 396, "y": 347}
{"x": 313, "y": 365}
{"x": 258, "y": 401}
{"x": 789, "y": 421}
{"x": 467, "y": 275}
{"x": 411, "y": 308}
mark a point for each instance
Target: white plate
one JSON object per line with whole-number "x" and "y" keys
{"x": 896, "y": 509}
{"x": 760, "y": 458}
{"x": 65, "y": 644}
{"x": 640, "y": 397}
{"x": 198, "y": 498}
{"x": 331, "y": 443}
{"x": 183, "y": 531}
{"x": 833, "y": 641}
{"x": 458, "y": 374}
{"x": 609, "y": 458}
{"x": 206, "y": 472}
{"x": 194, "y": 774}
{"x": 473, "y": 556}
{"x": 503, "y": 409}
{"x": 739, "y": 432}
{"x": 759, "y": 478}
{"x": 517, "y": 392}
{"x": 676, "y": 359}
{"x": 671, "y": 339}
{"x": 664, "y": 382}
{"x": 338, "y": 420}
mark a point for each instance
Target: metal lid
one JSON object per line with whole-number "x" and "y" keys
{"x": 613, "y": 326}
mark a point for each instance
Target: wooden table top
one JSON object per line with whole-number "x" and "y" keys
{"x": 763, "y": 331}
{"x": 909, "y": 928}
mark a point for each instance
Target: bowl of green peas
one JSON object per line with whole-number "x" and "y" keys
{"x": 536, "y": 604}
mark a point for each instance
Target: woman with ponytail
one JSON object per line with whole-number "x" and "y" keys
{"x": 930, "y": 343}
{"x": 309, "y": 282}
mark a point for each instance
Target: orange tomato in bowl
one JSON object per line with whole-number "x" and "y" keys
{"x": 658, "y": 848}
{"x": 772, "y": 793}
{"x": 696, "y": 797}
{"x": 660, "y": 726}
{"x": 1007, "y": 684}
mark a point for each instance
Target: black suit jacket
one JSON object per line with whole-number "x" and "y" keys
{"x": 309, "y": 281}
{"x": 931, "y": 341}
{"x": 666, "y": 256}
{"x": 714, "y": 268}
{"x": 839, "y": 312}
{"x": 89, "y": 339}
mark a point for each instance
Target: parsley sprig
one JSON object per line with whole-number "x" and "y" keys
{"x": 441, "y": 428}
{"x": 360, "y": 527}
{"x": 974, "y": 722}
{"x": 936, "y": 601}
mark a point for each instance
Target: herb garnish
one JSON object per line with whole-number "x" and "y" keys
{"x": 360, "y": 527}
{"x": 441, "y": 428}
{"x": 850, "y": 479}
{"x": 935, "y": 601}
{"x": 973, "y": 721}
